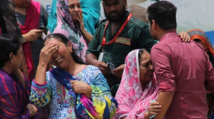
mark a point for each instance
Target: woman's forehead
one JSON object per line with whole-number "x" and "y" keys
{"x": 54, "y": 40}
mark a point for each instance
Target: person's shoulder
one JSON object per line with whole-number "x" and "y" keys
{"x": 92, "y": 67}
{"x": 139, "y": 23}
{"x": 100, "y": 23}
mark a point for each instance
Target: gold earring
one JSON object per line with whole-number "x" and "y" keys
{"x": 11, "y": 61}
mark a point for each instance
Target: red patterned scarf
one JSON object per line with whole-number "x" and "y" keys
{"x": 31, "y": 22}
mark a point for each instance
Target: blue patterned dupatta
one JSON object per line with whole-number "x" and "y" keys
{"x": 83, "y": 105}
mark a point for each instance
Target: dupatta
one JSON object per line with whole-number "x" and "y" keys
{"x": 66, "y": 26}
{"x": 132, "y": 100}
{"x": 31, "y": 22}
{"x": 83, "y": 104}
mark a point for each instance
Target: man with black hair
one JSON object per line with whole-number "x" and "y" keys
{"x": 183, "y": 70}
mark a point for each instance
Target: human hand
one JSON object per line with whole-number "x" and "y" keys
{"x": 184, "y": 36}
{"x": 47, "y": 51}
{"x": 80, "y": 20}
{"x": 118, "y": 71}
{"x": 32, "y": 108}
{"x": 103, "y": 67}
{"x": 81, "y": 87}
{"x": 154, "y": 109}
{"x": 33, "y": 34}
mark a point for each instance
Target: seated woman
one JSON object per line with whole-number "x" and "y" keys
{"x": 200, "y": 37}
{"x": 70, "y": 23}
{"x": 14, "y": 87}
{"x": 138, "y": 88}
{"x": 72, "y": 89}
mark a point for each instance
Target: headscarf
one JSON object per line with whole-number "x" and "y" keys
{"x": 52, "y": 19}
{"x": 199, "y": 34}
{"x": 132, "y": 100}
{"x": 91, "y": 14}
{"x": 90, "y": 10}
{"x": 31, "y": 22}
{"x": 66, "y": 26}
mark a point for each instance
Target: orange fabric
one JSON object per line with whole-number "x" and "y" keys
{"x": 202, "y": 39}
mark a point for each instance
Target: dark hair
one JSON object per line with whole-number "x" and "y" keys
{"x": 65, "y": 40}
{"x": 8, "y": 44}
{"x": 164, "y": 14}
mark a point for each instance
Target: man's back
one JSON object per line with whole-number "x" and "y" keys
{"x": 182, "y": 67}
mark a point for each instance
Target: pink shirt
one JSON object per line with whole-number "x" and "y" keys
{"x": 185, "y": 69}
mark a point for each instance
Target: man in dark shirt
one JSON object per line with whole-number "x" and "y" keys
{"x": 114, "y": 39}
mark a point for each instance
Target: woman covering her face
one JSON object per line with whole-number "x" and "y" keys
{"x": 138, "y": 88}
{"x": 70, "y": 23}
{"x": 72, "y": 89}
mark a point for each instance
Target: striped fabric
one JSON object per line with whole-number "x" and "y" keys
{"x": 13, "y": 97}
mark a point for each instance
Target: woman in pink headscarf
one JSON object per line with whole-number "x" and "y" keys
{"x": 138, "y": 88}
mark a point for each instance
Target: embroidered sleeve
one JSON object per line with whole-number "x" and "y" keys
{"x": 40, "y": 94}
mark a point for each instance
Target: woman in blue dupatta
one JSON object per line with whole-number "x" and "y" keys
{"x": 72, "y": 89}
{"x": 70, "y": 22}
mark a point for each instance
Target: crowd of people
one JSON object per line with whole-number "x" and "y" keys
{"x": 71, "y": 65}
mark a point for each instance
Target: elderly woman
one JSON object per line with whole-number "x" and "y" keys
{"x": 138, "y": 88}
{"x": 73, "y": 89}
{"x": 14, "y": 87}
{"x": 70, "y": 23}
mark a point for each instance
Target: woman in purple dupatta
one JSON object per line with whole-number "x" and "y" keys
{"x": 138, "y": 88}
{"x": 14, "y": 87}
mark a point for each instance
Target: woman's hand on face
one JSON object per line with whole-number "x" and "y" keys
{"x": 33, "y": 34}
{"x": 154, "y": 109}
{"x": 47, "y": 51}
{"x": 80, "y": 20}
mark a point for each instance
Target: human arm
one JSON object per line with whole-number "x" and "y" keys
{"x": 32, "y": 35}
{"x": 119, "y": 71}
{"x": 85, "y": 33}
{"x": 10, "y": 108}
{"x": 165, "y": 99}
{"x": 32, "y": 109}
{"x": 39, "y": 84}
{"x": 154, "y": 109}
{"x": 92, "y": 59}
{"x": 166, "y": 79}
